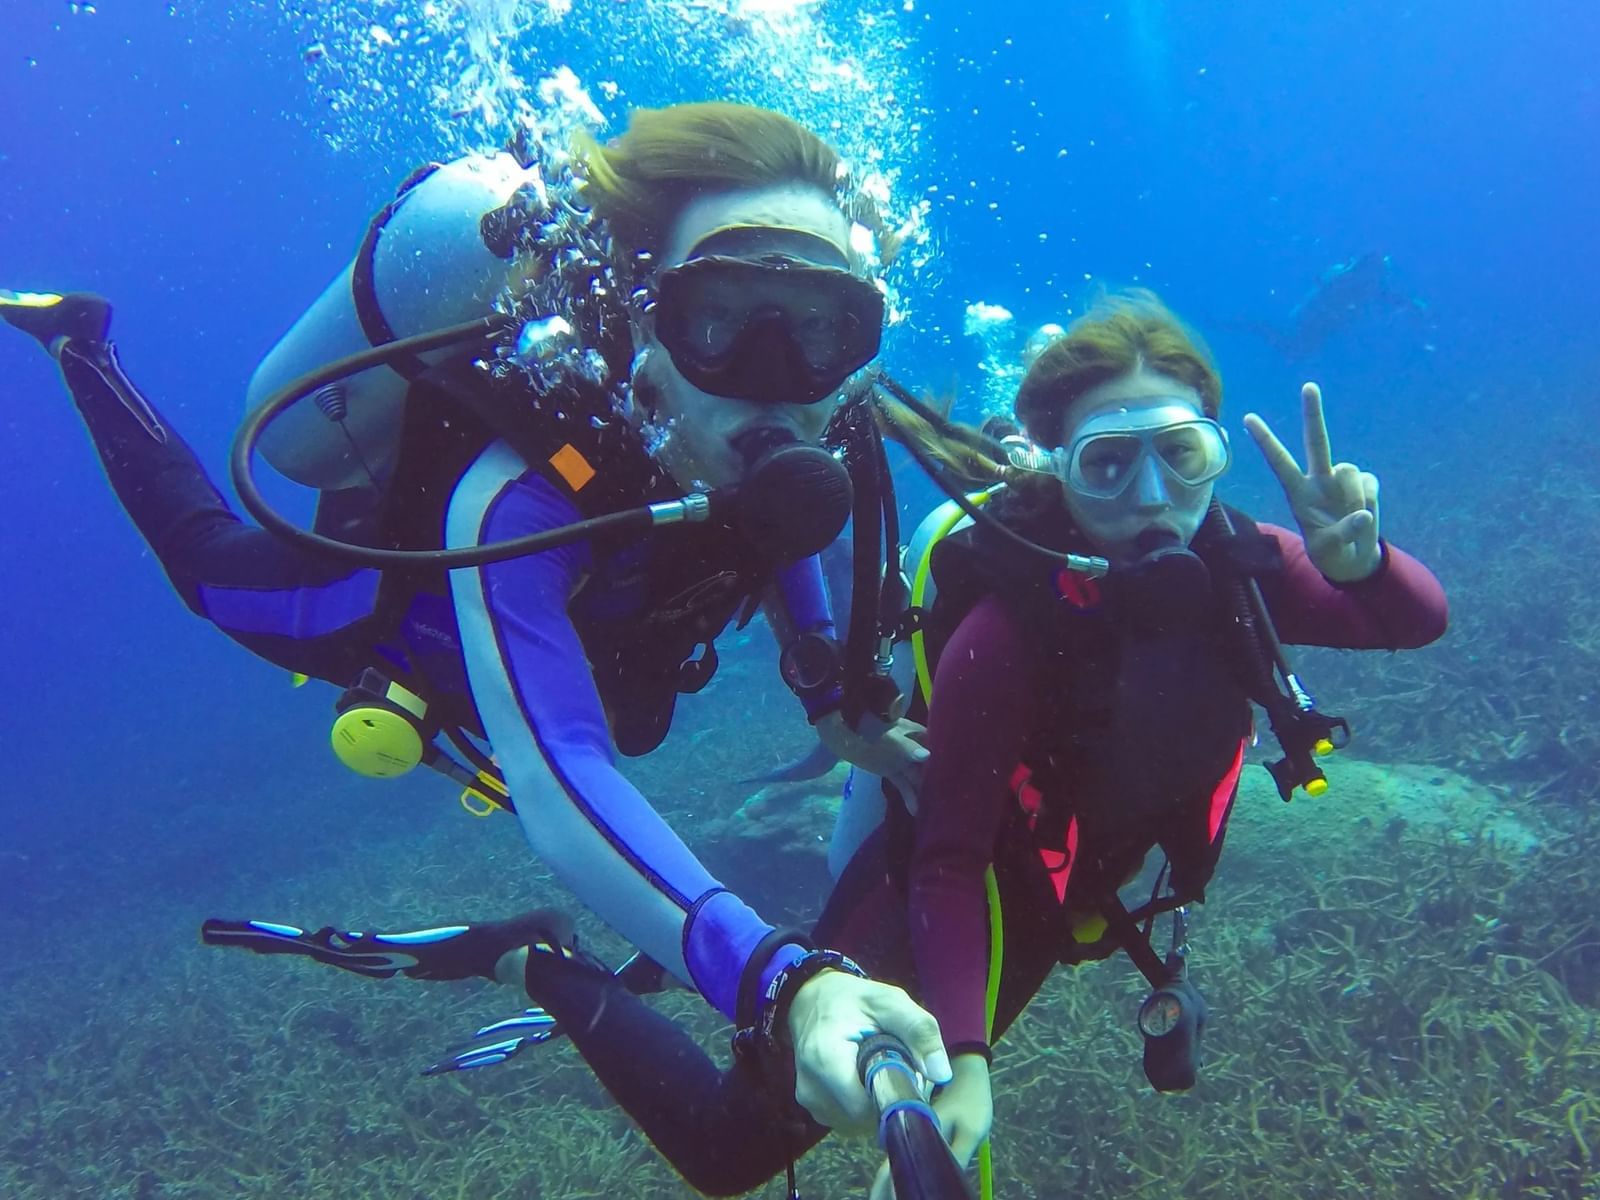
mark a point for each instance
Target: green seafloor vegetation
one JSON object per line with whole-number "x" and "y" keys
{"x": 1398, "y": 1011}
{"x": 1404, "y": 975}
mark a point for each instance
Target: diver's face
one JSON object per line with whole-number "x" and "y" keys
{"x": 1129, "y": 445}
{"x": 702, "y": 427}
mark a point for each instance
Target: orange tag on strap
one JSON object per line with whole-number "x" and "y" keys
{"x": 572, "y": 466}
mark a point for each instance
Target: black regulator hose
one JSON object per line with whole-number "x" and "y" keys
{"x": 897, "y": 391}
{"x": 696, "y": 507}
{"x": 862, "y": 457}
{"x": 895, "y": 595}
{"x": 920, "y": 1161}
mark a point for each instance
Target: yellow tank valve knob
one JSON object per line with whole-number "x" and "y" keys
{"x": 1323, "y": 746}
{"x": 1316, "y": 787}
{"x": 1088, "y": 928}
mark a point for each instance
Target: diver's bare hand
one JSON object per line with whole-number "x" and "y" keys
{"x": 1335, "y": 506}
{"x": 897, "y": 754}
{"x": 830, "y": 1015}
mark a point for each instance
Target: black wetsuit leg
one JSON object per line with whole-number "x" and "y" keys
{"x": 722, "y": 1131}
{"x": 197, "y": 538}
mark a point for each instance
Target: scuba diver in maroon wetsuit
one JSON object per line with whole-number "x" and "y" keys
{"x": 1100, "y": 631}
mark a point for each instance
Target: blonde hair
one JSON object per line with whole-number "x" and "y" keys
{"x": 641, "y": 182}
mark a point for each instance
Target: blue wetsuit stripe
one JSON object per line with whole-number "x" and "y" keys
{"x": 295, "y": 612}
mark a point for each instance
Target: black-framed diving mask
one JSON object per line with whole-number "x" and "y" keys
{"x": 1167, "y": 446}
{"x": 772, "y": 316}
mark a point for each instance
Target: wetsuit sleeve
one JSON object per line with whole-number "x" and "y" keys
{"x": 982, "y": 696}
{"x": 1399, "y": 606}
{"x": 540, "y": 708}
{"x": 291, "y": 608}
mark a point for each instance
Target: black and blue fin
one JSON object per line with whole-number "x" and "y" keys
{"x": 349, "y": 950}
{"x": 456, "y": 951}
{"x": 497, "y": 1042}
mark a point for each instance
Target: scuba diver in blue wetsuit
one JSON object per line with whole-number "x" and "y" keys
{"x": 684, "y": 309}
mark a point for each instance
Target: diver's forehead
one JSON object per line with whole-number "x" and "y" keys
{"x": 1133, "y": 393}
{"x": 784, "y": 206}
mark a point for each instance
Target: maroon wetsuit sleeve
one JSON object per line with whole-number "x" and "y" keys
{"x": 982, "y": 701}
{"x": 1399, "y": 606}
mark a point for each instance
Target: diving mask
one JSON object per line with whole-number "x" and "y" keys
{"x": 787, "y": 325}
{"x": 1112, "y": 449}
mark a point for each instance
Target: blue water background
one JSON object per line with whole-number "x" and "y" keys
{"x": 174, "y": 160}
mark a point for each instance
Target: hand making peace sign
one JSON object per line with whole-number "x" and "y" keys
{"x": 1336, "y": 506}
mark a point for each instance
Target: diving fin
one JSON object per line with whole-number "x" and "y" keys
{"x": 497, "y": 1042}
{"x": 53, "y": 319}
{"x": 503, "y": 1039}
{"x": 29, "y": 299}
{"x": 442, "y": 952}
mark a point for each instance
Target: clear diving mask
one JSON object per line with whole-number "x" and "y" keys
{"x": 1111, "y": 450}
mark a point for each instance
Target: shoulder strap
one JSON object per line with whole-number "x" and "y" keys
{"x": 363, "y": 286}
{"x": 591, "y": 456}
{"x": 1302, "y": 732}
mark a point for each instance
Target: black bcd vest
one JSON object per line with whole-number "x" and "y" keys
{"x": 1133, "y": 730}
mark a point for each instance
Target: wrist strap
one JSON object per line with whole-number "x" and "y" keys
{"x": 764, "y": 1038}
{"x": 747, "y": 1000}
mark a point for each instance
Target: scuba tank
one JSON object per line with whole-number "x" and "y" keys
{"x": 426, "y": 261}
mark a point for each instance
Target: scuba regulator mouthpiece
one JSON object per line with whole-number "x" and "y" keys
{"x": 1163, "y": 552}
{"x": 794, "y": 498}
{"x": 1164, "y": 589}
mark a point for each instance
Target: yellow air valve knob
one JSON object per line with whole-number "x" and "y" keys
{"x": 375, "y": 742}
{"x": 1323, "y": 746}
{"x": 1088, "y": 928}
{"x": 1316, "y": 787}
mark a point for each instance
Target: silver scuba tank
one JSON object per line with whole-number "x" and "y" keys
{"x": 424, "y": 264}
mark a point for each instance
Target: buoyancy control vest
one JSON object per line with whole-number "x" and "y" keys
{"x": 650, "y": 608}
{"x": 1139, "y": 735}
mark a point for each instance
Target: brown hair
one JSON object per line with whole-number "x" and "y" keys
{"x": 1118, "y": 335}
{"x": 961, "y": 451}
{"x": 641, "y": 182}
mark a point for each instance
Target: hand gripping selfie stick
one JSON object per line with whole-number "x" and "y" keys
{"x": 920, "y": 1161}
